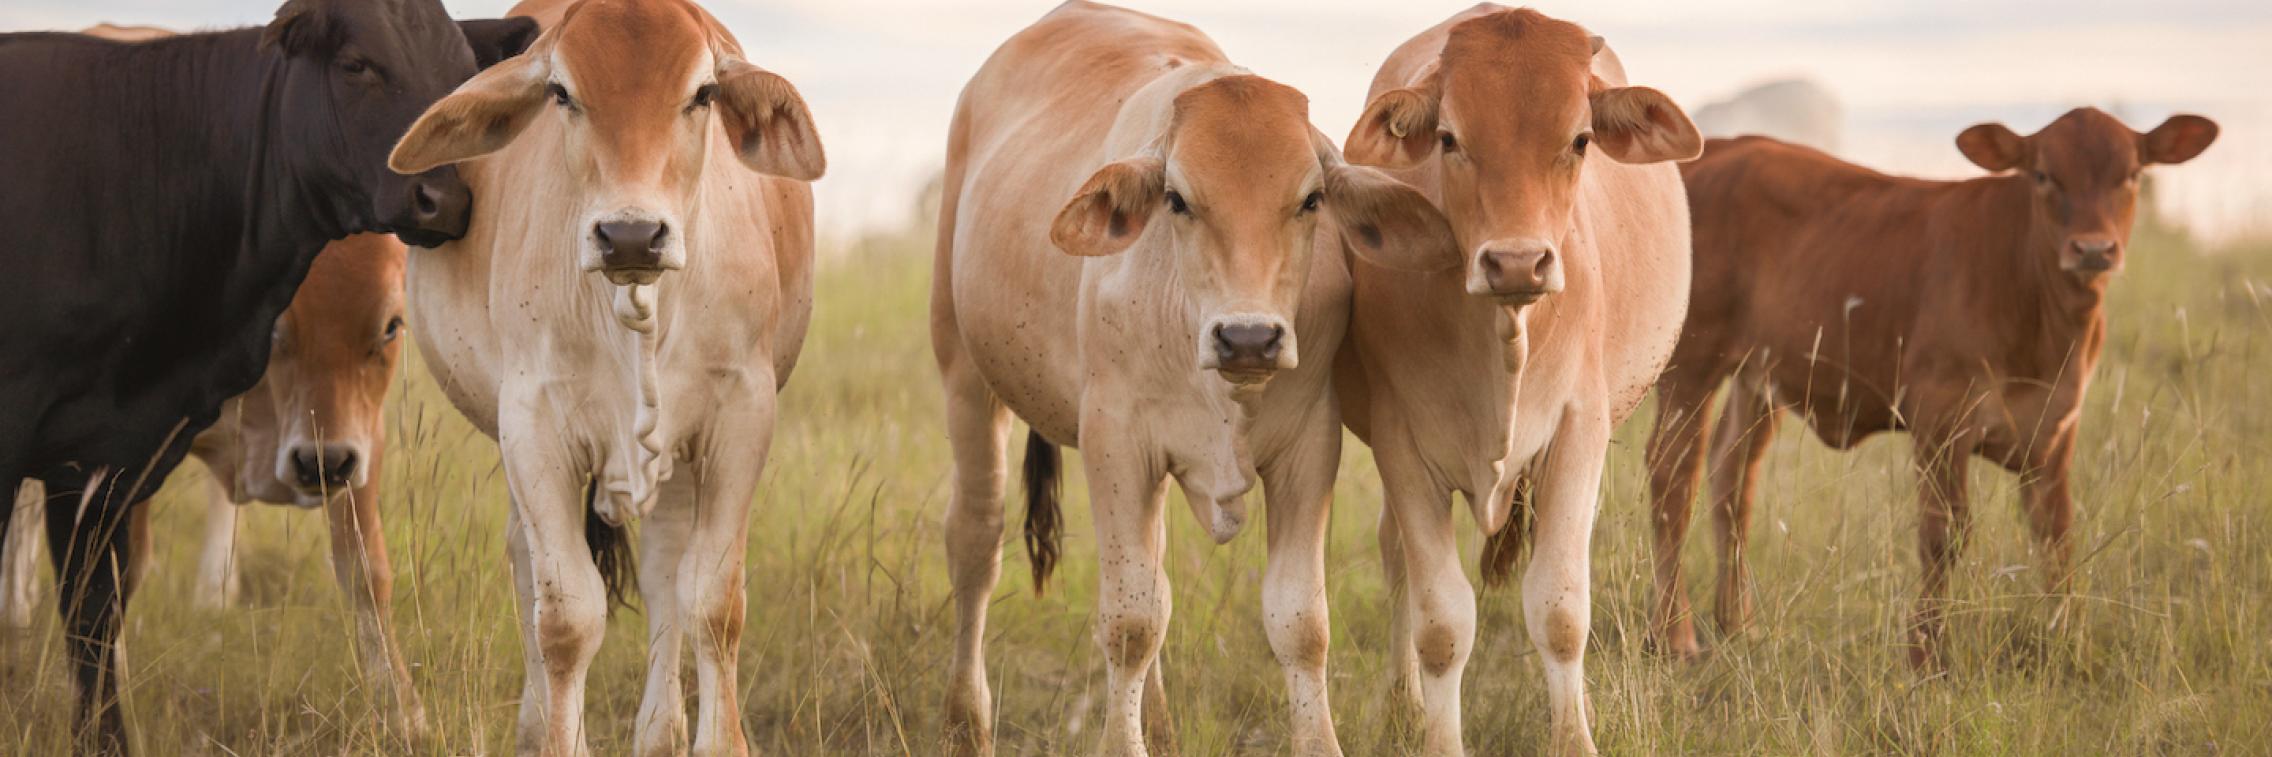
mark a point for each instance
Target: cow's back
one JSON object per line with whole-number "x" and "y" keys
{"x": 1030, "y": 127}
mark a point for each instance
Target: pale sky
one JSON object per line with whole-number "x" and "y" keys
{"x": 882, "y": 75}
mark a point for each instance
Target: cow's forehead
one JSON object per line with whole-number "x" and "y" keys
{"x": 631, "y": 49}
{"x": 2087, "y": 140}
{"x": 1244, "y": 126}
{"x": 1515, "y": 52}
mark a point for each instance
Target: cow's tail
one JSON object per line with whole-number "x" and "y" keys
{"x": 1043, "y": 490}
{"x": 1501, "y": 549}
{"x": 611, "y": 550}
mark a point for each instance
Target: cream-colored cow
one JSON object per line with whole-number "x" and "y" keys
{"x": 1132, "y": 259}
{"x": 632, "y": 293}
{"x": 1499, "y": 374}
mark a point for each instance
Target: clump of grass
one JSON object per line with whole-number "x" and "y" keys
{"x": 2162, "y": 650}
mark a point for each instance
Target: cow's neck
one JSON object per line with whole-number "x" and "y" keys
{"x": 2060, "y": 315}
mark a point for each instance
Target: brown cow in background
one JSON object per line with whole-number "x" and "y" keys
{"x": 1969, "y": 313}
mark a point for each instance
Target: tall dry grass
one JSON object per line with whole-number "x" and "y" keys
{"x": 2166, "y": 647}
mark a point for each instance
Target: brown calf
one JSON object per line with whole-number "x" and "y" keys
{"x": 1968, "y": 313}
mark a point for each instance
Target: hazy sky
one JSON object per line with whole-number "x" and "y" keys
{"x": 881, "y": 75}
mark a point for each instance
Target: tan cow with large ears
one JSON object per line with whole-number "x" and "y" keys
{"x": 1141, "y": 254}
{"x": 633, "y": 140}
{"x": 1499, "y": 372}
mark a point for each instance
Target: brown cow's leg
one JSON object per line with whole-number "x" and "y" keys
{"x": 1675, "y": 461}
{"x": 1437, "y": 594}
{"x": 1403, "y": 656}
{"x": 217, "y": 580}
{"x": 1747, "y": 429}
{"x": 1557, "y": 587}
{"x": 359, "y": 562}
{"x": 1944, "y": 516}
{"x": 2051, "y": 512}
{"x": 1128, "y": 497}
{"x": 1298, "y": 492}
{"x": 977, "y": 426}
{"x": 19, "y": 568}
{"x": 663, "y": 535}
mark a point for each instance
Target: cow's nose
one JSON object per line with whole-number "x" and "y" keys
{"x": 1249, "y": 347}
{"x": 439, "y": 210}
{"x": 2095, "y": 255}
{"x": 631, "y": 245}
{"x": 1522, "y": 275}
{"x": 325, "y": 467}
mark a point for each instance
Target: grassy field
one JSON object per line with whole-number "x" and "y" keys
{"x": 2166, "y": 649}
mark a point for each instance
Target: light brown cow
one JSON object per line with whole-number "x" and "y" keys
{"x": 1131, "y": 258}
{"x": 620, "y": 316}
{"x": 311, "y": 434}
{"x": 1969, "y": 313}
{"x": 1499, "y": 372}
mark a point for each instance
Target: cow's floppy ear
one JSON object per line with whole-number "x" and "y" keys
{"x": 771, "y": 128}
{"x": 2177, "y": 140}
{"x": 1992, "y": 146}
{"x": 300, "y": 28}
{"x": 481, "y": 117}
{"x": 495, "y": 39}
{"x": 1398, "y": 128}
{"x": 1111, "y": 209}
{"x": 1388, "y": 223}
{"x": 1641, "y": 125}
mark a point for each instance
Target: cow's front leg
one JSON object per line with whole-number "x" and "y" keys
{"x": 564, "y": 601}
{"x": 1557, "y": 588}
{"x": 727, "y": 465}
{"x": 2051, "y": 511}
{"x": 19, "y": 559}
{"x": 1438, "y": 598}
{"x": 1943, "y": 517}
{"x": 1298, "y": 494}
{"x": 217, "y": 581}
{"x": 359, "y": 561}
{"x": 92, "y": 562}
{"x": 1128, "y": 498}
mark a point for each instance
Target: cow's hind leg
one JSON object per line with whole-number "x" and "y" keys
{"x": 92, "y": 565}
{"x": 1747, "y": 429}
{"x": 1557, "y": 587}
{"x": 978, "y": 427}
{"x": 1675, "y": 459}
{"x": 19, "y": 567}
{"x": 663, "y": 536}
{"x": 2051, "y": 511}
{"x": 1299, "y": 500}
{"x": 1944, "y": 517}
{"x": 217, "y": 581}
{"x": 1404, "y": 658}
{"x": 366, "y": 577}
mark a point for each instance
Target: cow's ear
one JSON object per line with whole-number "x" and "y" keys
{"x": 2177, "y": 140}
{"x": 1992, "y": 146}
{"x": 1111, "y": 209}
{"x": 1398, "y": 128}
{"x": 1388, "y": 223}
{"x": 481, "y": 117}
{"x": 1641, "y": 125}
{"x": 300, "y": 28}
{"x": 772, "y": 130}
{"x": 495, "y": 39}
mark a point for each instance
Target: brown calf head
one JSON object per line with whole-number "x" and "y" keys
{"x": 636, "y": 86}
{"x": 2085, "y": 168}
{"x": 1237, "y": 184}
{"x": 1510, "y": 113}
{"x": 334, "y": 356}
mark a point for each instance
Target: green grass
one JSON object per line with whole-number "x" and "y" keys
{"x": 2166, "y": 649}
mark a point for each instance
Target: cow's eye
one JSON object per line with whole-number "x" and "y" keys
{"x": 2041, "y": 179}
{"x": 1579, "y": 145}
{"x": 703, "y": 96}
{"x": 355, "y": 66}
{"x": 394, "y": 329}
{"x": 1176, "y": 204}
{"x": 1310, "y": 203}
{"x": 1449, "y": 142}
{"x": 560, "y": 95}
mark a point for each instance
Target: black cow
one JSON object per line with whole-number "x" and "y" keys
{"x": 161, "y": 202}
